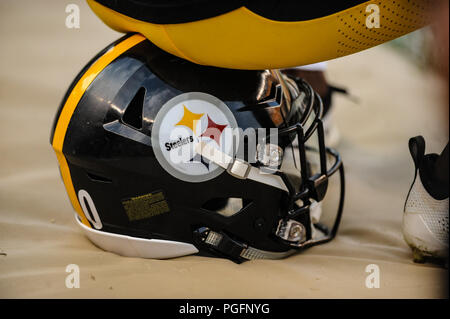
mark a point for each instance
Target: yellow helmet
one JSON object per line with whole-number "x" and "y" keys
{"x": 265, "y": 34}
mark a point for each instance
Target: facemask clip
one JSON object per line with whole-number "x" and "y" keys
{"x": 291, "y": 231}
{"x": 318, "y": 185}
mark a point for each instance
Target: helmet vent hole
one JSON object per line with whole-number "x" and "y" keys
{"x": 133, "y": 112}
{"x": 98, "y": 178}
{"x": 226, "y": 206}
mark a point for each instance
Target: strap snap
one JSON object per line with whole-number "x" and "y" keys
{"x": 239, "y": 169}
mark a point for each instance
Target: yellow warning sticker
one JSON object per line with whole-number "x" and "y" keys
{"x": 145, "y": 206}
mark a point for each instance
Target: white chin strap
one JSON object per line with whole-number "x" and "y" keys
{"x": 239, "y": 168}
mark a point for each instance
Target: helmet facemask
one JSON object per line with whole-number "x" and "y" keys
{"x": 283, "y": 155}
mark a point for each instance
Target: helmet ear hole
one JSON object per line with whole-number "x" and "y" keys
{"x": 133, "y": 112}
{"x": 215, "y": 204}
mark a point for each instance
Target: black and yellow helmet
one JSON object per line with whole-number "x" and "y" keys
{"x": 264, "y": 34}
{"x": 251, "y": 185}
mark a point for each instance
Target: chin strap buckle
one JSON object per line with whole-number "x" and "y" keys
{"x": 223, "y": 245}
{"x": 220, "y": 244}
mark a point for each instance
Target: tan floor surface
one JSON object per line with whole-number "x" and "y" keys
{"x": 38, "y": 60}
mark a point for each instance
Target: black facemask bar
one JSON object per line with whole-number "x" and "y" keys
{"x": 311, "y": 186}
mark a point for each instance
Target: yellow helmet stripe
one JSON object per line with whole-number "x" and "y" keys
{"x": 69, "y": 107}
{"x": 84, "y": 82}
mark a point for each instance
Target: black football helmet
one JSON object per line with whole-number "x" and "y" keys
{"x": 162, "y": 157}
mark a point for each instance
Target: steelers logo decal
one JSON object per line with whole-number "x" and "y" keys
{"x": 186, "y": 120}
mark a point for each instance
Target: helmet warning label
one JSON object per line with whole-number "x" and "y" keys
{"x": 145, "y": 206}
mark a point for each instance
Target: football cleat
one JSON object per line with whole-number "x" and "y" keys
{"x": 425, "y": 217}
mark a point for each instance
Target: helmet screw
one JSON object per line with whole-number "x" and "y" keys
{"x": 297, "y": 232}
{"x": 259, "y": 223}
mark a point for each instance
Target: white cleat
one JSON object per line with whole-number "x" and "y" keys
{"x": 425, "y": 217}
{"x": 425, "y": 223}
